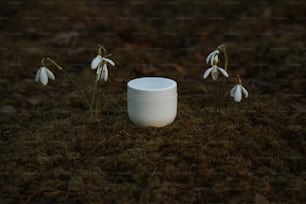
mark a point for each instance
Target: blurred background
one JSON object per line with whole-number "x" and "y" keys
{"x": 265, "y": 39}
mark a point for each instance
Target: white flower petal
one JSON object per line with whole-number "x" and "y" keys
{"x": 215, "y": 57}
{"x": 105, "y": 73}
{"x": 208, "y": 58}
{"x": 207, "y": 72}
{"x": 245, "y": 92}
{"x": 37, "y": 75}
{"x": 111, "y": 62}
{"x": 43, "y": 76}
{"x": 215, "y": 60}
{"x": 211, "y": 56}
{"x": 99, "y": 72}
{"x": 49, "y": 74}
{"x": 223, "y": 71}
{"x": 233, "y": 90}
{"x": 238, "y": 94}
{"x": 96, "y": 61}
{"x": 99, "y": 69}
{"x": 214, "y": 73}
{"x": 211, "y": 61}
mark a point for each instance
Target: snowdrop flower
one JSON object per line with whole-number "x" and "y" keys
{"x": 101, "y": 63}
{"x": 211, "y": 57}
{"x": 214, "y": 69}
{"x": 238, "y": 90}
{"x": 42, "y": 75}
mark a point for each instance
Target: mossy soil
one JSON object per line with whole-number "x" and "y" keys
{"x": 54, "y": 151}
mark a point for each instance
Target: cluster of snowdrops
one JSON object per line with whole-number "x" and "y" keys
{"x": 101, "y": 61}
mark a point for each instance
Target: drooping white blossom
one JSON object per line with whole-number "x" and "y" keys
{"x": 212, "y": 57}
{"x": 213, "y": 60}
{"x": 100, "y": 63}
{"x": 214, "y": 72}
{"x": 96, "y": 61}
{"x": 237, "y": 91}
{"x": 43, "y": 74}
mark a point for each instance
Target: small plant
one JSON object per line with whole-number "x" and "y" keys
{"x": 100, "y": 63}
{"x": 237, "y": 91}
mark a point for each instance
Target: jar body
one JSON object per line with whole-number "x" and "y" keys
{"x": 152, "y": 101}
{"x": 158, "y": 112}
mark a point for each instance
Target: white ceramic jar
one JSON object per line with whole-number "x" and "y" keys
{"x": 152, "y": 101}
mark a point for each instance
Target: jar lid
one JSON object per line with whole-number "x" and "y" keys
{"x": 152, "y": 86}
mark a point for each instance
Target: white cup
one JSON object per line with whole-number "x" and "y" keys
{"x": 152, "y": 101}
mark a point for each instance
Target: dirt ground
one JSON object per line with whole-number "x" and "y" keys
{"x": 53, "y": 151}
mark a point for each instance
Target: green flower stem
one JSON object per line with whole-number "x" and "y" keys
{"x": 73, "y": 82}
{"x": 220, "y": 94}
{"x": 93, "y": 98}
{"x": 100, "y": 48}
{"x": 94, "y": 94}
{"x": 97, "y": 99}
{"x": 223, "y": 49}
